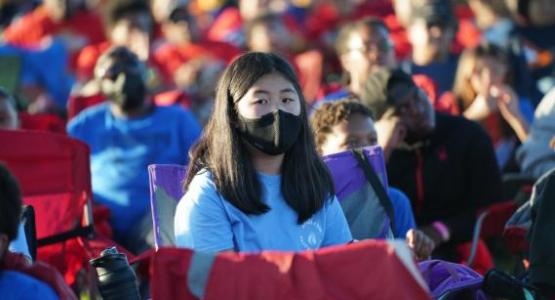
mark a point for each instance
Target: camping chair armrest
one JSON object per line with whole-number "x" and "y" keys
{"x": 476, "y": 236}
{"x": 489, "y": 223}
{"x": 81, "y": 231}
{"x": 88, "y": 219}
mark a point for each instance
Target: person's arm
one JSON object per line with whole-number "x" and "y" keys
{"x": 480, "y": 109}
{"x": 337, "y": 229}
{"x": 509, "y": 107}
{"x": 201, "y": 222}
{"x": 391, "y": 132}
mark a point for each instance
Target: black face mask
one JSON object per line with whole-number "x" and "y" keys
{"x": 127, "y": 91}
{"x": 273, "y": 133}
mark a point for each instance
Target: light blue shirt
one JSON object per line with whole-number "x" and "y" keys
{"x": 19, "y": 286}
{"x": 121, "y": 150}
{"x": 205, "y": 221}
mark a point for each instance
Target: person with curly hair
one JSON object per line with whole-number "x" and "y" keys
{"x": 347, "y": 124}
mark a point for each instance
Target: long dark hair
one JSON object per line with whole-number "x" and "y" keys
{"x": 462, "y": 88}
{"x": 305, "y": 181}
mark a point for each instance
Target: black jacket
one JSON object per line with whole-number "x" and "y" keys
{"x": 449, "y": 176}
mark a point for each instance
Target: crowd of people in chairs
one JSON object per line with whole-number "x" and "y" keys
{"x": 292, "y": 127}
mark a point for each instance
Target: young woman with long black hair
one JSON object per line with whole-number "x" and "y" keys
{"x": 255, "y": 181}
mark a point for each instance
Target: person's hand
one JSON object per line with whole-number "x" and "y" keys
{"x": 420, "y": 244}
{"x": 431, "y": 232}
{"x": 391, "y": 131}
{"x": 507, "y": 101}
{"x": 508, "y": 104}
{"x": 481, "y": 108}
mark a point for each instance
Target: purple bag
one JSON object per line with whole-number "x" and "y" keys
{"x": 451, "y": 281}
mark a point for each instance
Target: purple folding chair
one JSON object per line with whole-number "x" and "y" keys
{"x": 360, "y": 182}
{"x": 166, "y": 189}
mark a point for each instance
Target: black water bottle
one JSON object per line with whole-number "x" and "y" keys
{"x": 116, "y": 279}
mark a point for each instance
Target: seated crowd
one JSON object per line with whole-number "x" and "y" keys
{"x": 265, "y": 102}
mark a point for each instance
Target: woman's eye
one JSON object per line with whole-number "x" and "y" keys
{"x": 287, "y": 100}
{"x": 261, "y": 101}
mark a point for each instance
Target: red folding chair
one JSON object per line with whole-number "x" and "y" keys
{"x": 53, "y": 171}
{"x": 489, "y": 223}
{"x": 44, "y": 122}
{"x": 371, "y": 269}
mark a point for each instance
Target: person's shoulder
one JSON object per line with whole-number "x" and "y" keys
{"x": 91, "y": 113}
{"x": 203, "y": 180}
{"x": 173, "y": 111}
{"x": 183, "y": 116}
{"x": 395, "y": 193}
{"x": 468, "y": 134}
{"x": 457, "y": 123}
{"x": 88, "y": 115}
{"x": 331, "y": 202}
{"x": 202, "y": 187}
{"x": 29, "y": 287}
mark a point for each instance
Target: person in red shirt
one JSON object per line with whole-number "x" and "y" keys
{"x": 229, "y": 25}
{"x": 130, "y": 25}
{"x": 67, "y": 19}
{"x": 326, "y": 16}
{"x": 183, "y": 43}
{"x": 269, "y": 34}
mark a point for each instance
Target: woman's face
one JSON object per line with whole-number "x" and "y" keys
{"x": 488, "y": 72}
{"x": 368, "y": 50}
{"x": 268, "y": 94}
